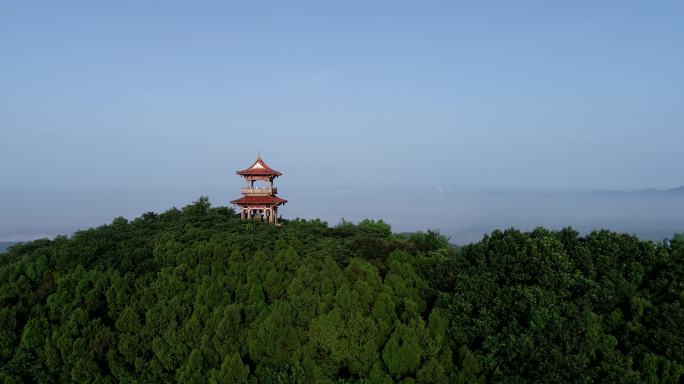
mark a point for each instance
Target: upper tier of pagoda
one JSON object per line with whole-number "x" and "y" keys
{"x": 259, "y": 168}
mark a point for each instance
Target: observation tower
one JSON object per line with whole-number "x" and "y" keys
{"x": 259, "y": 202}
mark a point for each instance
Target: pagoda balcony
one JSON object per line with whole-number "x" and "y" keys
{"x": 265, "y": 191}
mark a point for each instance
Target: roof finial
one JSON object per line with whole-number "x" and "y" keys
{"x": 259, "y": 155}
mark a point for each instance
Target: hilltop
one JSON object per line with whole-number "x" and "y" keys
{"x": 196, "y": 295}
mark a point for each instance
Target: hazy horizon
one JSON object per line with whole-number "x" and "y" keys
{"x": 463, "y": 214}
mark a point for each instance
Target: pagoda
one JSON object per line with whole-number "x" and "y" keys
{"x": 259, "y": 203}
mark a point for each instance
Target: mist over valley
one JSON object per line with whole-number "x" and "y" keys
{"x": 462, "y": 214}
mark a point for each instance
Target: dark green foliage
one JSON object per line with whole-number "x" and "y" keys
{"x": 195, "y": 295}
{"x": 555, "y": 307}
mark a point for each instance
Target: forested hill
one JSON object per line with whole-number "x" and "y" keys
{"x": 195, "y": 295}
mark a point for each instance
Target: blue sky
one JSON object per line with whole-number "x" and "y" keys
{"x": 481, "y": 94}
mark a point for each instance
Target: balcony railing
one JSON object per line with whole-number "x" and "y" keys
{"x": 265, "y": 191}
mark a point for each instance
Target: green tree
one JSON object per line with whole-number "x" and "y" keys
{"x": 232, "y": 371}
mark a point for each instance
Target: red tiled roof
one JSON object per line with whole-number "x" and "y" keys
{"x": 259, "y": 168}
{"x": 259, "y": 200}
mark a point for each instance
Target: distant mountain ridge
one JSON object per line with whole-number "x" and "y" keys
{"x": 640, "y": 191}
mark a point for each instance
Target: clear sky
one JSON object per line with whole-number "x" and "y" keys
{"x": 164, "y": 94}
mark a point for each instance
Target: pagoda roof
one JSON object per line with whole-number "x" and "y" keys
{"x": 259, "y": 168}
{"x": 249, "y": 200}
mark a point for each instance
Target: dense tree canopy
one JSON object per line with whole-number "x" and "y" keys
{"x": 195, "y": 295}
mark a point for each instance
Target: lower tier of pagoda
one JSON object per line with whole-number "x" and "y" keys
{"x": 259, "y": 200}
